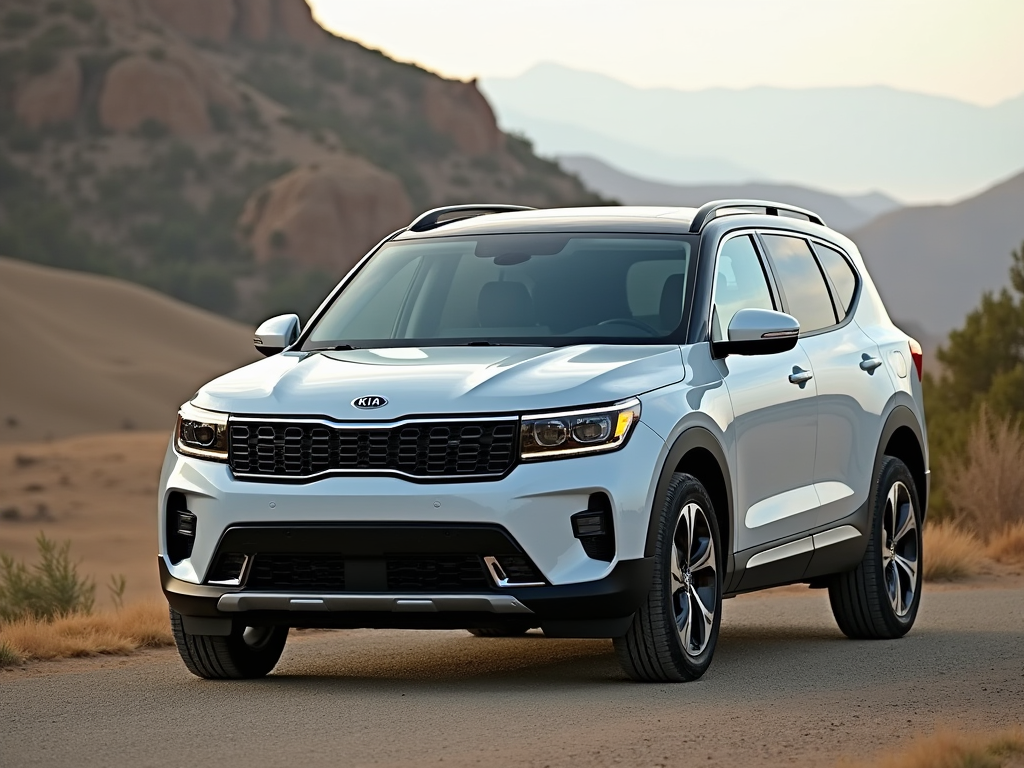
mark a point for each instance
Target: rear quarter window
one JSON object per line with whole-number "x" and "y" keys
{"x": 839, "y": 271}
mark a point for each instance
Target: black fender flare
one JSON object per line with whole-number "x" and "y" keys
{"x": 902, "y": 416}
{"x": 692, "y": 437}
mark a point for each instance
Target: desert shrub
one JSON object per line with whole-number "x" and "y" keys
{"x": 951, "y": 749}
{"x": 1007, "y": 545}
{"x": 8, "y": 656}
{"x": 50, "y": 588}
{"x": 950, "y": 552}
{"x": 221, "y": 118}
{"x": 82, "y": 10}
{"x": 328, "y": 67}
{"x": 141, "y": 625}
{"x": 17, "y": 21}
{"x": 985, "y": 485}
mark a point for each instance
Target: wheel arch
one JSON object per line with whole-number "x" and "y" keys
{"x": 697, "y": 452}
{"x": 903, "y": 439}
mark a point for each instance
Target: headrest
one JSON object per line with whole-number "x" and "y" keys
{"x": 505, "y": 305}
{"x": 671, "y": 310}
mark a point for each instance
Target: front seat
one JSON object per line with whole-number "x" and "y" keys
{"x": 505, "y": 305}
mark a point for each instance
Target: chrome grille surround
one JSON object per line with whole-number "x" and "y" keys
{"x": 417, "y": 449}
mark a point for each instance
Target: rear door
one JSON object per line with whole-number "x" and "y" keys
{"x": 774, "y": 409}
{"x": 819, "y": 287}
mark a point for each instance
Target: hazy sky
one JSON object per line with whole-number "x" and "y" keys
{"x": 968, "y": 49}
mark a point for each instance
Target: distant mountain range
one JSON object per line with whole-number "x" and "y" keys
{"x": 843, "y": 213}
{"x": 851, "y": 139}
{"x": 931, "y": 263}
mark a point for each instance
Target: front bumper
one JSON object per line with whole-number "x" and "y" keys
{"x": 534, "y": 504}
{"x": 600, "y": 608}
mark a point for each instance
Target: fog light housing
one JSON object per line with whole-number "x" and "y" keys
{"x": 595, "y": 528}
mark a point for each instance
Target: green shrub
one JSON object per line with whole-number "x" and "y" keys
{"x": 8, "y": 656}
{"x": 50, "y": 588}
{"x": 17, "y": 21}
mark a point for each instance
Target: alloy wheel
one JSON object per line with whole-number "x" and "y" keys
{"x": 694, "y": 579}
{"x": 901, "y": 549}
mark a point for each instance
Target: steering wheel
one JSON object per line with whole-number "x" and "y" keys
{"x": 631, "y": 322}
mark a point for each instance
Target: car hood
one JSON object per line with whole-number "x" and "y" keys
{"x": 441, "y": 380}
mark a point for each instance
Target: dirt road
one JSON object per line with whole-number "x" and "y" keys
{"x": 785, "y": 688}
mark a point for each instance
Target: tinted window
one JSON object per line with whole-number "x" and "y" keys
{"x": 531, "y": 289}
{"x": 802, "y": 282}
{"x": 739, "y": 284}
{"x": 840, "y": 273}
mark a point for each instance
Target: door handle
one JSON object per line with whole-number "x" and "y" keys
{"x": 869, "y": 364}
{"x": 800, "y": 376}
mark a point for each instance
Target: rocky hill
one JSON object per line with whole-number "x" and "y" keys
{"x": 231, "y": 152}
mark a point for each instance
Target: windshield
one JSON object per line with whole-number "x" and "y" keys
{"x": 540, "y": 289}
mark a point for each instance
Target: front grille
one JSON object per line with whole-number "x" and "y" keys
{"x": 417, "y": 449}
{"x": 436, "y": 574}
{"x": 326, "y": 572}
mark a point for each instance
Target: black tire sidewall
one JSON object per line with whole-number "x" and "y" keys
{"x": 688, "y": 490}
{"x": 893, "y": 471}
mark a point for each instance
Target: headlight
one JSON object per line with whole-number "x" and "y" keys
{"x": 203, "y": 434}
{"x": 571, "y": 433}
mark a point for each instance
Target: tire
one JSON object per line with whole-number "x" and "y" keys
{"x": 664, "y": 644}
{"x": 247, "y": 653}
{"x": 499, "y": 632}
{"x": 879, "y": 599}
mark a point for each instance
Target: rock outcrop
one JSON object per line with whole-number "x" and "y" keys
{"x": 175, "y": 92}
{"x": 257, "y": 20}
{"x": 460, "y": 111}
{"x": 199, "y": 19}
{"x": 52, "y": 97}
{"x": 325, "y": 217}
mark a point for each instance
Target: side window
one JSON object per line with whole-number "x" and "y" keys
{"x": 839, "y": 271}
{"x": 740, "y": 283}
{"x": 802, "y": 282}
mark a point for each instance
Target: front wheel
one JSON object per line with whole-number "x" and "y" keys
{"x": 248, "y": 652}
{"x": 673, "y": 635}
{"x": 880, "y": 597}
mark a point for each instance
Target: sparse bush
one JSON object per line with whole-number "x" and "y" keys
{"x": 951, "y": 749}
{"x": 8, "y": 656}
{"x": 142, "y": 625}
{"x": 1007, "y": 545}
{"x": 950, "y": 552}
{"x": 985, "y": 486}
{"x": 17, "y": 21}
{"x": 51, "y": 588}
{"x": 153, "y": 129}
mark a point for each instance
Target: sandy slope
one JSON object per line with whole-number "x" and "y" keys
{"x": 99, "y": 491}
{"x": 83, "y": 353}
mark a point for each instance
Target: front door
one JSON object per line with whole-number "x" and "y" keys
{"x": 774, "y": 426}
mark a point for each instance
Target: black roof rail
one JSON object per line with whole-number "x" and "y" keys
{"x": 711, "y": 210}
{"x": 449, "y": 213}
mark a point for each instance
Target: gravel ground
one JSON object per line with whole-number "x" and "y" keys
{"x": 785, "y": 689}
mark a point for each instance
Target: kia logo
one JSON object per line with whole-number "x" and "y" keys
{"x": 370, "y": 401}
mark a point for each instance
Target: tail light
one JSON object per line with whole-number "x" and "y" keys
{"x": 917, "y": 354}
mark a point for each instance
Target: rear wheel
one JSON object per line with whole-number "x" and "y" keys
{"x": 879, "y": 599}
{"x": 673, "y": 635}
{"x": 246, "y": 653}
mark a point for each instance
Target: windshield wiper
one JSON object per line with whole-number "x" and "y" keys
{"x": 486, "y": 343}
{"x": 331, "y": 348}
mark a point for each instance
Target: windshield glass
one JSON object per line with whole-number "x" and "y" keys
{"x": 543, "y": 289}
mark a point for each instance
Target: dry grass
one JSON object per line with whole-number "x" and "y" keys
{"x": 950, "y": 552}
{"x": 142, "y": 625}
{"x": 986, "y": 488}
{"x": 953, "y": 749}
{"x": 1007, "y": 546}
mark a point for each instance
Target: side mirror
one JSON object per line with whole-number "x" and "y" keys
{"x": 759, "y": 332}
{"x": 275, "y": 334}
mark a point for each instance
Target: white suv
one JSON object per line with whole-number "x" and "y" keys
{"x": 599, "y": 422}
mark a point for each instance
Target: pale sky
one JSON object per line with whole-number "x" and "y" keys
{"x": 968, "y": 49}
